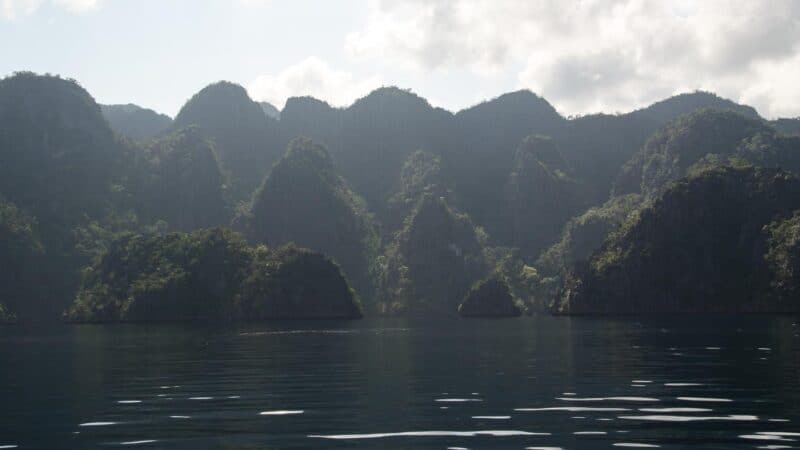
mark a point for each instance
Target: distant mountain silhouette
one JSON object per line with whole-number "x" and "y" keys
{"x": 668, "y": 109}
{"x": 239, "y": 128}
{"x": 271, "y": 111}
{"x": 135, "y": 122}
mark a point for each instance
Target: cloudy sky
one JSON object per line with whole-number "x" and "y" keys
{"x": 583, "y": 56}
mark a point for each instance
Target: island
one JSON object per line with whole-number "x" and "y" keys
{"x": 489, "y": 298}
{"x": 210, "y": 275}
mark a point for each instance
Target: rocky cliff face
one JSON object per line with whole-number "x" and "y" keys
{"x": 669, "y": 153}
{"x": 782, "y": 264}
{"x": 304, "y": 200}
{"x": 247, "y": 141}
{"x": 699, "y": 248}
{"x": 434, "y": 260}
{"x": 541, "y": 194}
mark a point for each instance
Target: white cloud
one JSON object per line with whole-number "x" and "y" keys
{"x": 598, "y": 54}
{"x": 12, "y": 9}
{"x": 77, "y": 5}
{"x": 313, "y": 77}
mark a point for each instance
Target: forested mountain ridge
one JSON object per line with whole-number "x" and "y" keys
{"x": 59, "y": 165}
{"x": 670, "y": 152}
{"x": 270, "y": 110}
{"x": 415, "y": 204}
{"x": 787, "y": 126}
{"x": 209, "y": 275}
{"x": 699, "y": 247}
{"x": 247, "y": 141}
{"x": 58, "y": 152}
{"x": 188, "y": 188}
{"x": 671, "y": 108}
{"x": 135, "y": 122}
{"x": 305, "y": 201}
{"x": 433, "y": 261}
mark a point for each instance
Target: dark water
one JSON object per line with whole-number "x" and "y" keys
{"x": 541, "y": 382}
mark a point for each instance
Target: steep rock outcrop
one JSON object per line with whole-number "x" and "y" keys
{"x": 698, "y": 248}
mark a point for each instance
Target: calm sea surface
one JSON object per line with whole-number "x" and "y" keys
{"x": 530, "y": 383}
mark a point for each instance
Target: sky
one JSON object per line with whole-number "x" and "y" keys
{"x": 583, "y": 56}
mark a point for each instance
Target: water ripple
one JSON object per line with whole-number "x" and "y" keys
{"x": 492, "y": 433}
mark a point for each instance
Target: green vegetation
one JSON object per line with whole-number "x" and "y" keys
{"x": 60, "y": 163}
{"x": 396, "y": 192}
{"x": 542, "y": 195}
{"x": 304, "y": 200}
{"x": 790, "y": 127}
{"x": 378, "y": 133}
{"x": 435, "y": 258}
{"x": 696, "y": 249}
{"x": 58, "y": 154}
{"x": 20, "y": 252}
{"x": 597, "y": 145}
{"x": 208, "y": 275}
{"x": 421, "y": 175}
{"x": 481, "y": 153}
{"x": 667, "y": 110}
{"x": 6, "y": 316}
{"x": 295, "y": 283}
{"x": 585, "y": 233}
{"x": 186, "y": 186}
{"x": 527, "y": 286}
{"x": 670, "y": 153}
{"x": 769, "y": 149}
{"x": 245, "y": 138}
{"x": 489, "y": 298}
{"x": 783, "y": 263}
{"x": 173, "y": 277}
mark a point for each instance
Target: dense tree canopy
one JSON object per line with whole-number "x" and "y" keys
{"x": 698, "y": 248}
{"x": 671, "y": 151}
{"x": 482, "y": 153}
{"x": 783, "y": 263}
{"x": 789, "y": 127}
{"x": 585, "y": 233}
{"x": 80, "y": 178}
{"x": 209, "y": 275}
{"x": 20, "y": 252}
{"x": 436, "y": 257}
{"x": 541, "y": 194}
{"x": 420, "y": 175}
{"x": 61, "y": 164}
{"x": 58, "y": 153}
{"x": 246, "y": 139}
{"x": 597, "y": 145}
{"x": 379, "y": 132}
{"x": 295, "y": 283}
{"x": 187, "y": 186}
{"x": 305, "y": 201}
